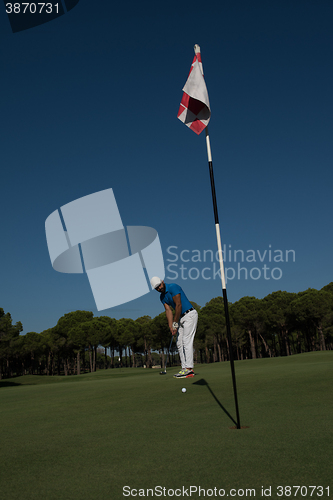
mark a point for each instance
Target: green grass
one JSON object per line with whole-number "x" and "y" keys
{"x": 86, "y": 437}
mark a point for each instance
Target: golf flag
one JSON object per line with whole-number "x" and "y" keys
{"x": 194, "y": 109}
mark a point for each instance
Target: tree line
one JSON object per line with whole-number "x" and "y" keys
{"x": 280, "y": 324}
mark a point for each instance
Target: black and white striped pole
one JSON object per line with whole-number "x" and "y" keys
{"x": 224, "y": 289}
{"x": 195, "y": 88}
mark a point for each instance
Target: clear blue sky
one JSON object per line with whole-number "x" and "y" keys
{"x": 89, "y": 102}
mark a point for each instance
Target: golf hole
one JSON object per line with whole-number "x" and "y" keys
{"x": 242, "y": 427}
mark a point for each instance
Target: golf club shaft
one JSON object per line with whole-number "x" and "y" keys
{"x": 168, "y": 353}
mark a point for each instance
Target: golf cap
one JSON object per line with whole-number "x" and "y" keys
{"x": 155, "y": 281}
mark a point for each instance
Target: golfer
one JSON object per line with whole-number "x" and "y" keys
{"x": 184, "y": 323}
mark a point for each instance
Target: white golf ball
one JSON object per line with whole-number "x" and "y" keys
{"x": 183, "y": 389}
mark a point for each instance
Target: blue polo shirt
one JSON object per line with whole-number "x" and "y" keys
{"x": 170, "y": 291}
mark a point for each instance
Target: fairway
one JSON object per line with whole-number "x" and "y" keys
{"x": 87, "y": 437}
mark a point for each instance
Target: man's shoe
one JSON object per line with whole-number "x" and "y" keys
{"x": 185, "y": 373}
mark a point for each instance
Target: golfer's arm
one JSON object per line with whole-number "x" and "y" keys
{"x": 169, "y": 315}
{"x": 178, "y": 311}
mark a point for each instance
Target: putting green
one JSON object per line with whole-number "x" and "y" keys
{"x": 116, "y": 433}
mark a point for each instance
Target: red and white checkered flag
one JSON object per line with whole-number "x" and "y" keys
{"x": 194, "y": 109}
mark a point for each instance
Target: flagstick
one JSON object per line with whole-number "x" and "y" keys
{"x": 224, "y": 289}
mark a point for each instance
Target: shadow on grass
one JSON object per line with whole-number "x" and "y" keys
{"x": 22, "y": 380}
{"x": 202, "y": 381}
{"x": 7, "y": 383}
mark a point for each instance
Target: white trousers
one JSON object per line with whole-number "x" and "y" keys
{"x": 185, "y": 338}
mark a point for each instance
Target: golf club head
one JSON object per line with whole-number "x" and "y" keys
{"x": 163, "y": 373}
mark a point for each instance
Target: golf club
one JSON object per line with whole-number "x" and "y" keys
{"x": 164, "y": 373}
